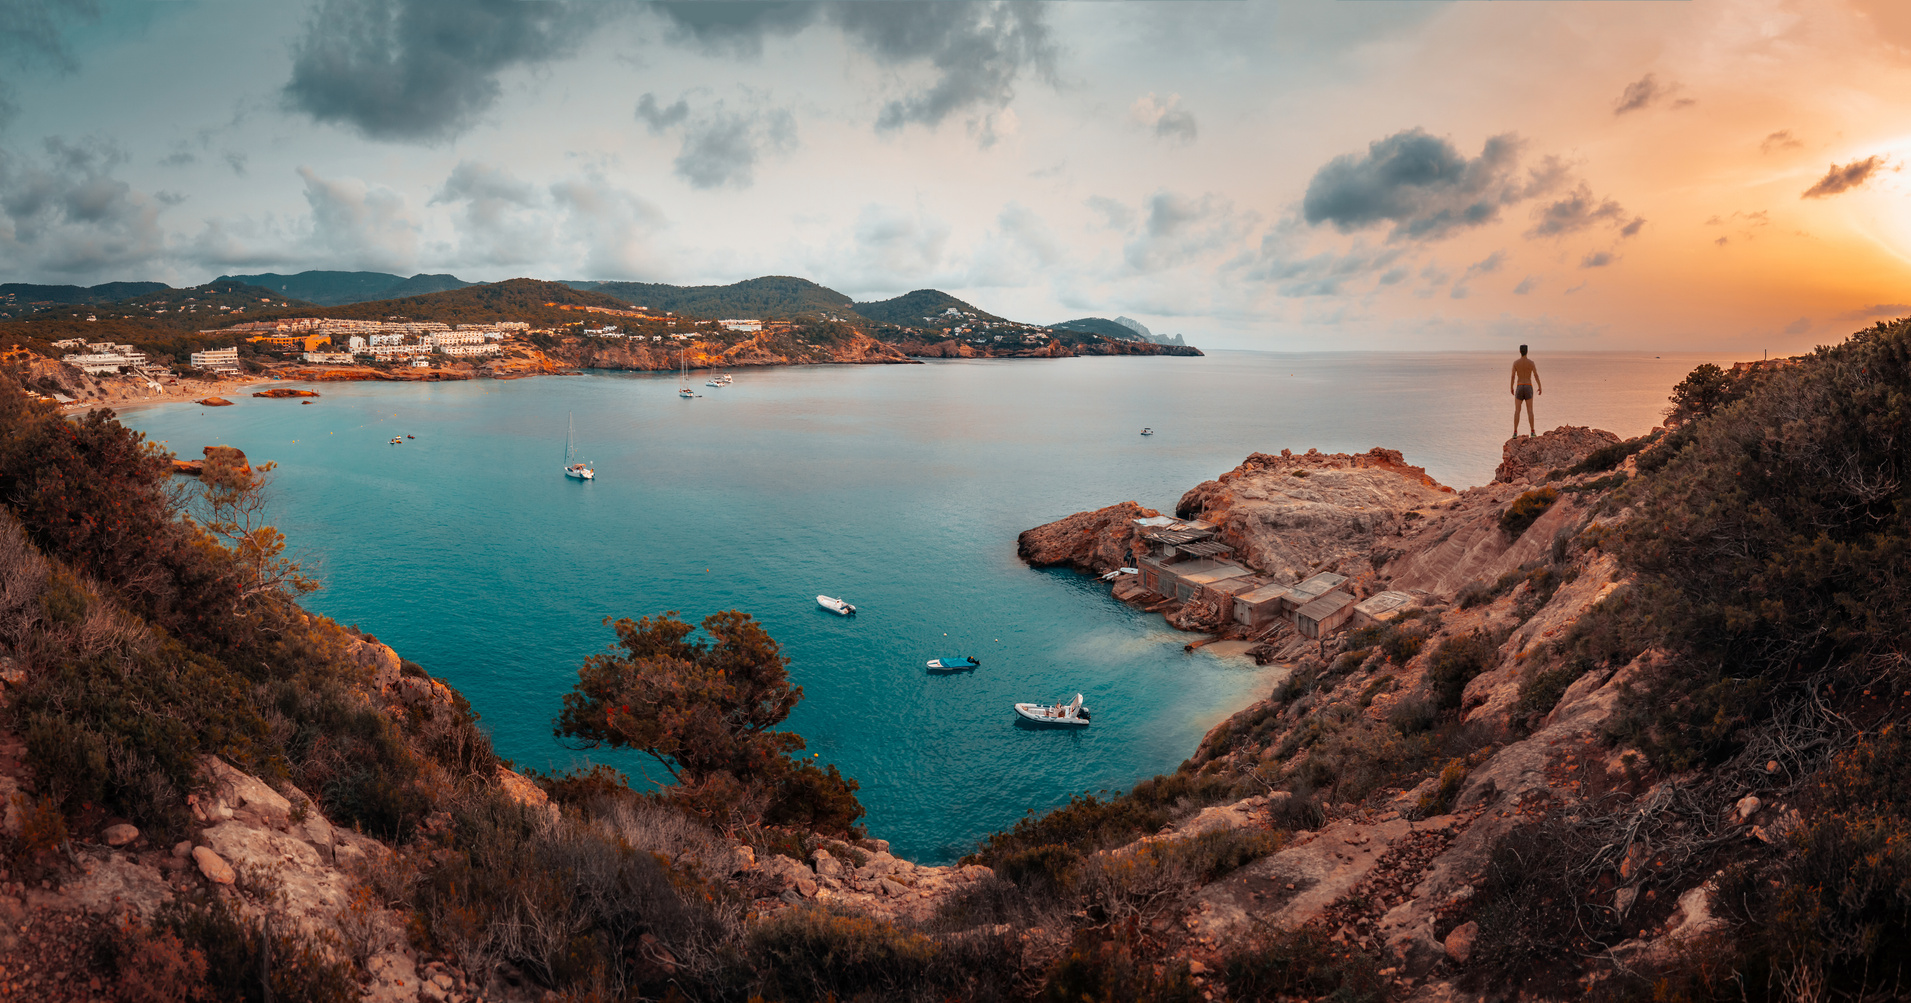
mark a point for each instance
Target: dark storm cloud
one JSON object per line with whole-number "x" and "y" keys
{"x": 1579, "y": 210}
{"x": 720, "y": 27}
{"x": 721, "y": 148}
{"x": 64, "y": 212}
{"x": 33, "y": 33}
{"x": 422, "y": 70}
{"x": 1843, "y": 179}
{"x": 1424, "y": 186}
{"x": 978, "y": 50}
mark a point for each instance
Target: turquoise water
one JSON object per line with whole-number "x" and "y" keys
{"x": 900, "y": 488}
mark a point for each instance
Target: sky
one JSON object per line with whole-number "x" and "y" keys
{"x": 1721, "y": 176}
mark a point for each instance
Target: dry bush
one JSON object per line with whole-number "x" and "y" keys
{"x": 155, "y": 966}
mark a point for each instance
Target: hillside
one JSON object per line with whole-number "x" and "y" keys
{"x": 1100, "y": 325}
{"x": 340, "y": 288}
{"x": 772, "y": 297}
{"x": 923, "y": 308}
{"x": 17, "y": 299}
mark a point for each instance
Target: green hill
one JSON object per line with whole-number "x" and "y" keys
{"x": 1100, "y": 325}
{"x": 340, "y": 288}
{"x": 772, "y": 297}
{"x": 17, "y": 299}
{"x": 513, "y": 299}
{"x": 922, "y": 308}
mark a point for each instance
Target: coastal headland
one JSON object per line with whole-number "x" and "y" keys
{"x": 1589, "y": 728}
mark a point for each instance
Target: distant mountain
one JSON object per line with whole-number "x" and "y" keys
{"x": 922, "y": 308}
{"x": 529, "y": 300}
{"x": 17, "y": 299}
{"x": 772, "y": 297}
{"x": 339, "y": 288}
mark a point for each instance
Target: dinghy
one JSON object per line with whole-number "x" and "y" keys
{"x": 1072, "y": 713}
{"x": 835, "y": 605}
{"x": 953, "y": 663}
{"x": 1118, "y": 572}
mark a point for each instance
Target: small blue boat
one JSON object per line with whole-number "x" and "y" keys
{"x": 953, "y": 663}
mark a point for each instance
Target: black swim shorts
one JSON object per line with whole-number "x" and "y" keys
{"x": 1523, "y": 392}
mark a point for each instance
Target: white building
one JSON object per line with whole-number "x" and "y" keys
{"x": 101, "y": 363}
{"x": 491, "y": 349}
{"x": 356, "y": 345}
{"x": 333, "y": 357}
{"x": 742, "y": 325}
{"x": 70, "y": 343}
{"x": 384, "y": 352}
{"x": 216, "y": 359}
{"x": 378, "y": 340}
{"x": 443, "y": 338}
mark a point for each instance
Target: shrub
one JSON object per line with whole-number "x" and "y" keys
{"x": 1608, "y": 457}
{"x": 1439, "y": 800}
{"x": 813, "y": 954}
{"x": 236, "y": 956}
{"x": 1454, "y": 664}
{"x": 1111, "y": 973}
{"x": 1525, "y": 510}
{"x": 1304, "y": 963}
{"x": 155, "y": 966}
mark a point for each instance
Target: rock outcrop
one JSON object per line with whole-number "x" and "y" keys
{"x": 1291, "y": 515}
{"x": 1098, "y": 541}
{"x": 1527, "y": 460}
{"x": 281, "y": 392}
{"x": 216, "y": 402}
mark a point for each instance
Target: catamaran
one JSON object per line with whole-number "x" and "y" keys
{"x": 1071, "y": 714}
{"x": 573, "y": 467}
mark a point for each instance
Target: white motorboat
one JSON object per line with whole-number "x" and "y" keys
{"x": 1118, "y": 572}
{"x": 1070, "y": 714}
{"x": 835, "y": 605}
{"x": 712, "y": 382}
{"x": 1147, "y": 431}
{"x": 573, "y": 467}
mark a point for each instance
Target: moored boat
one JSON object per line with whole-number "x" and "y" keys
{"x": 1147, "y": 431}
{"x": 953, "y": 663}
{"x": 835, "y": 605}
{"x": 1070, "y": 714}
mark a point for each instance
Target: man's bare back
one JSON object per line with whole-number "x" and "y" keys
{"x": 1524, "y": 387}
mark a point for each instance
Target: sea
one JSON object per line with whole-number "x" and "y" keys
{"x": 899, "y": 488}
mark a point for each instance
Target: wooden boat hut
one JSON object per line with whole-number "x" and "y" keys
{"x": 1324, "y": 615}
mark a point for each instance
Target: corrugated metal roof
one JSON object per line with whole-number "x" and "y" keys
{"x": 1216, "y": 574}
{"x": 1177, "y": 536}
{"x": 1325, "y": 606}
{"x": 1266, "y": 593}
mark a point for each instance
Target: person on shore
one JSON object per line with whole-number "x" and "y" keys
{"x": 1524, "y": 386}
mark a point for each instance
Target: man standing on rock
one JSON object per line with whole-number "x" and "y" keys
{"x": 1525, "y": 385}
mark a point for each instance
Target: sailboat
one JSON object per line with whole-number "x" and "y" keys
{"x": 684, "y": 391}
{"x": 573, "y": 467}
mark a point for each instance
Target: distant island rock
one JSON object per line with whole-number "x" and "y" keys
{"x": 216, "y": 402}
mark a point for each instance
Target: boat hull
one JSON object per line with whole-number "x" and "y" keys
{"x": 1043, "y": 714}
{"x": 952, "y": 664}
{"x": 582, "y": 475}
{"x": 836, "y": 606}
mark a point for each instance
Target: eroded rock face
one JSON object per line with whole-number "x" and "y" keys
{"x": 1291, "y": 515}
{"x": 1097, "y": 541}
{"x": 1527, "y": 460}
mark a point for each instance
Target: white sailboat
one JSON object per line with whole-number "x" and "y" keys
{"x": 684, "y": 364}
{"x": 573, "y": 467}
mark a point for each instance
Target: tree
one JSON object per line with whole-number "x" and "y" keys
{"x": 233, "y": 510}
{"x": 704, "y": 711}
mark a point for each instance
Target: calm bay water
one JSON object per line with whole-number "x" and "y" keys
{"x": 900, "y": 488}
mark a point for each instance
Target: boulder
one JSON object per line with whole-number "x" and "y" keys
{"x": 312, "y": 892}
{"x": 520, "y": 789}
{"x": 827, "y": 866}
{"x": 213, "y": 866}
{"x": 216, "y": 402}
{"x": 1459, "y": 943}
{"x": 111, "y": 882}
{"x": 1527, "y": 460}
{"x": 241, "y": 793}
{"x": 119, "y": 835}
{"x": 1097, "y": 541}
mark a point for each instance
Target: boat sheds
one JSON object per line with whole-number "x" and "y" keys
{"x": 1184, "y": 560}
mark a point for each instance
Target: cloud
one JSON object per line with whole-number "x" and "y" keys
{"x": 423, "y": 70}
{"x": 1780, "y": 140}
{"x": 360, "y": 225}
{"x": 616, "y": 228}
{"x": 734, "y": 29}
{"x": 1424, "y": 186}
{"x": 1597, "y": 259}
{"x": 978, "y": 51}
{"x": 1177, "y": 229}
{"x": 1890, "y": 311}
{"x": 503, "y": 219}
{"x": 1644, "y": 92}
{"x": 1632, "y": 228}
{"x": 236, "y": 161}
{"x": 65, "y": 213}
{"x": 1527, "y": 285}
{"x": 33, "y": 33}
{"x": 1115, "y": 216}
{"x": 1577, "y": 211}
{"x": 1799, "y": 326}
{"x": 721, "y": 148}
{"x": 1020, "y": 250}
{"x": 1843, "y": 179}
{"x": 1167, "y": 121}
{"x": 894, "y": 247}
